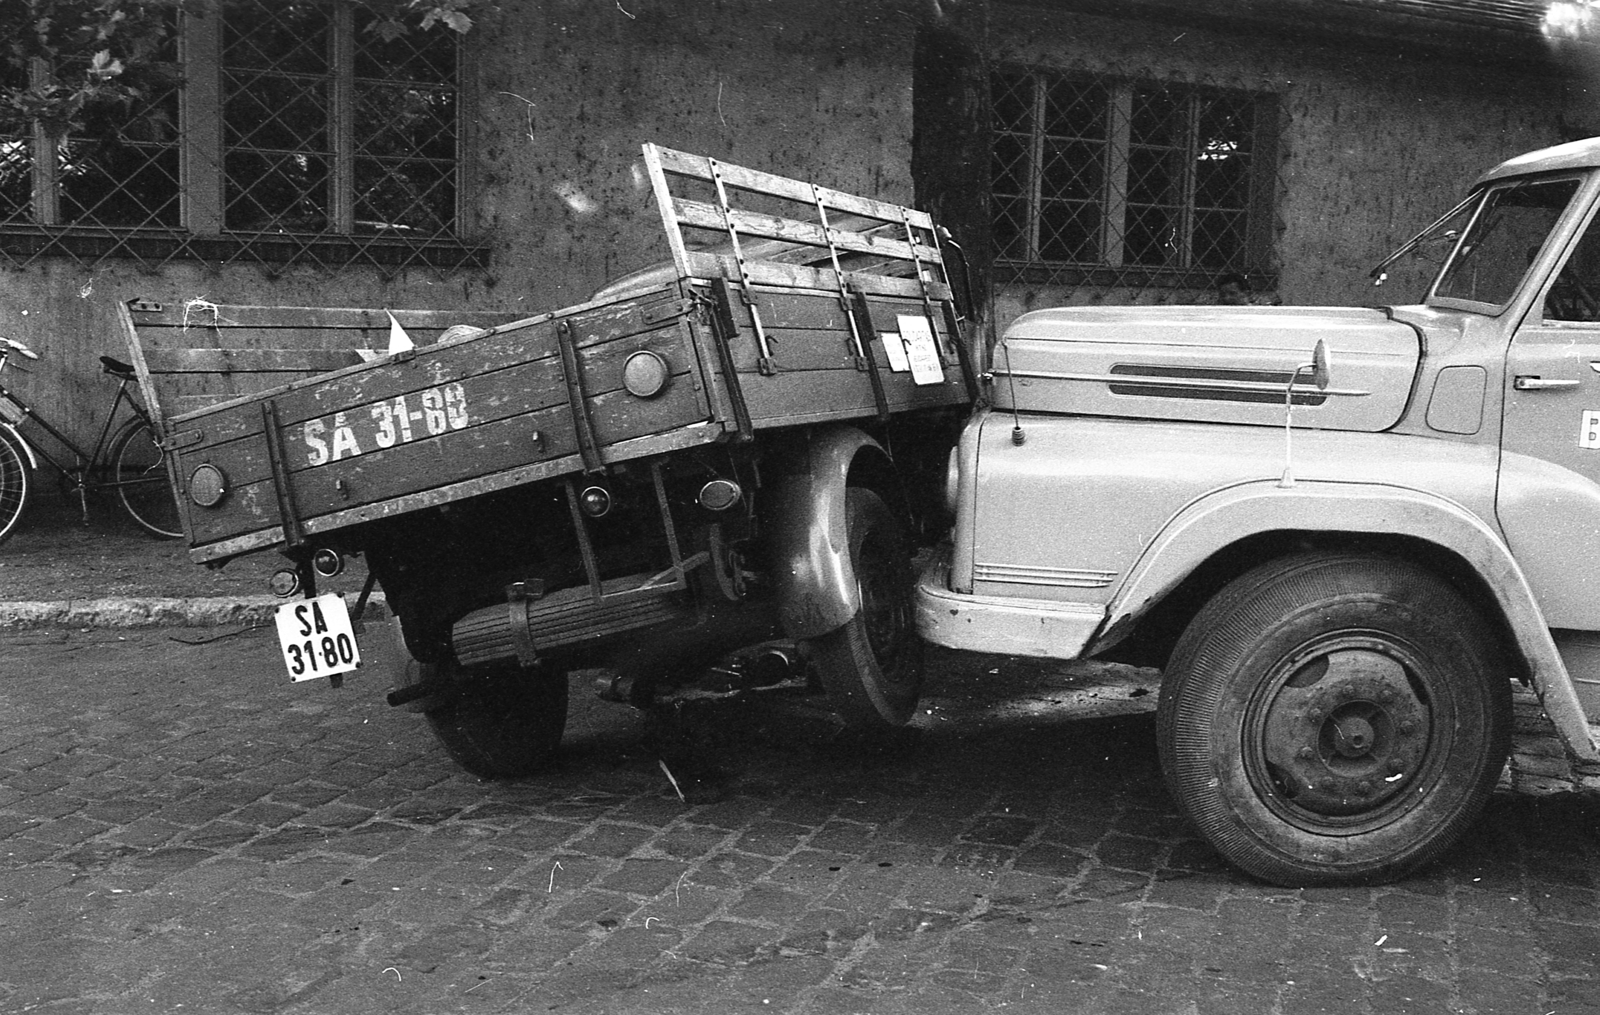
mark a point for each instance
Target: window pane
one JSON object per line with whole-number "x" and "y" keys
{"x": 283, "y": 37}
{"x": 1158, "y": 118}
{"x": 277, "y": 117}
{"x": 113, "y": 183}
{"x": 1227, "y": 123}
{"x": 1155, "y": 176}
{"x": 416, "y": 54}
{"x": 1074, "y": 108}
{"x": 276, "y": 191}
{"x": 1069, "y": 231}
{"x": 16, "y": 156}
{"x": 1152, "y": 237}
{"x": 1009, "y": 164}
{"x": 1013, "y": 101}
{"x": 405, "y": 197}
{"x": 406, "y": 122}
{"x": 1010, "y": 227}
{"x": 1072, "y": 169}
{"x": 1221, "y": 180}
{"x": 1219, "y": 239}
{"x": 272, "y": 112}
{"x": 16, "y": 179}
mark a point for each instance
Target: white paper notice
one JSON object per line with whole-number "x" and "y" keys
{"x": 896, "y": 351}
{"x": 920, "y": 350}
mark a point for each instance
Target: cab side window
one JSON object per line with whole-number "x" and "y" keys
{"x": 1575, "y": 294}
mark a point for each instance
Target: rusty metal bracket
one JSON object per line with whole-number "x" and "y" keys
{"x": 724, "y": 329}
{"x": 588, "y": 447}
{"x": 178, "y": 441}
{"x": 861, "y": 323}
{"x": 293, "y": 535}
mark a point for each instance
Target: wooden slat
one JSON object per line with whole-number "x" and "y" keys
{"x": 702, "y": 215}
{"x": 222, "y": 361}
{"x": 229, "y": 315}
{"x": 699, "y": 166}
{"x": 795, "y": 276}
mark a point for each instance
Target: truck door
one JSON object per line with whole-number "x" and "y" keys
{"x": 1552, "y": 415}
{"x": 1552, "y": 406}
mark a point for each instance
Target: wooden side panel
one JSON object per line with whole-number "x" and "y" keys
{"x": 442, "y": 417}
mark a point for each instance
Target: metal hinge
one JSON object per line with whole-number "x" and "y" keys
{"x": 182, "y": 440}
{"x": 666, "y": 311}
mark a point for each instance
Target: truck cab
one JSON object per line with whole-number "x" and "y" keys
{"x": 1341, "y": 532}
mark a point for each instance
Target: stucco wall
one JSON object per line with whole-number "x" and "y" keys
{"x": 820, "y": 89}
{"x": 566, "y": 92}
{"x": 1374, "y": 145}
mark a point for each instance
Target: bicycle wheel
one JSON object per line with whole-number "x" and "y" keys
{"x": 16, "y": 484}
{"x": 139, "y": 468}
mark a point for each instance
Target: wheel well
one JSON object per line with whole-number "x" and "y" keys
{"x": 872, "y": 469}
{"x": 1150, "y": 639}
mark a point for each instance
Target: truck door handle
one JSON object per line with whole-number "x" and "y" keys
{"x": 1527, "y": 383}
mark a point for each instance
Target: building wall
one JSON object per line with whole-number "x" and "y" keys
{"x": 566, "y": 90}
{"x": 1374, "y": 145}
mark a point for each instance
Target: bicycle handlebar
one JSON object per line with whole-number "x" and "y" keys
{"x": 16, "y": 346}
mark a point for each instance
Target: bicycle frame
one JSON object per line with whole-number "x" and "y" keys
{"x": 79, "y": 472}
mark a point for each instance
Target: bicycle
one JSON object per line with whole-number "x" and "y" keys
{"x": 134, "y": 464}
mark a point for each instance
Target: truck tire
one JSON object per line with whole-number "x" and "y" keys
{"x": 872, "y": 666}
{"x": 501, "y": 722}
{"x": 1332, "y": 719}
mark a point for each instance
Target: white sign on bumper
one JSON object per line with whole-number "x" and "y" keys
{"x": 317, "y": 638}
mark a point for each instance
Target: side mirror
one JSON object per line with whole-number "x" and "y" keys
{"x": 1320, "y": 366}
{"x": 1320, "y": 371}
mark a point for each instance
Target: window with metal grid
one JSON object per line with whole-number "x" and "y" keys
{"x": 1115, "y": 182}
{"x": 310, "y": 133}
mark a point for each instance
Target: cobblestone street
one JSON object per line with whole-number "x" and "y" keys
{"x": 182, "y": 830}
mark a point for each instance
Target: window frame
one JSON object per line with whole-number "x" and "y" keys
{"x": 1112, "y": 268}
{"x": 202, "y": 181}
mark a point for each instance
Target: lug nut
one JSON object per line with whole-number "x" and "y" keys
{"x": 1315, "y": 715}
{"x": 1306, "y": 754}
{"x": 1363, "y": 788}
{"x": 1408, "y": 727}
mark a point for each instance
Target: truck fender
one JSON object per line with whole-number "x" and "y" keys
{"x": 816, "y": 585}
{"x": 27, "y": 449}
{"x": 1226, "y": 516}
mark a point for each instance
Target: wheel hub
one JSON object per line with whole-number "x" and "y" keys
{"x": 1346, "y": 730}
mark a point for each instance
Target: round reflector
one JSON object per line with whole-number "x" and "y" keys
{"x": 719, "y": 495}
{"x": 595, "y": 501}
{"x": 645, "y": 374}
{"x": 284, "y": 583}
{"x": 327, "y": 562}
{"x": 207, "y": 485}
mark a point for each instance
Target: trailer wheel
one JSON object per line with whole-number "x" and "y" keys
{"x": 872, "y": 666}
{"x": 501, "y": 722}
{"x": 1333, "y": 719}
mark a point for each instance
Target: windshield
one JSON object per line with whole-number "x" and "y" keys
{"x": 1506, "y": 235}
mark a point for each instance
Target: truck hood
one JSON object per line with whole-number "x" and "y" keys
{"x": 1218, "y": 364}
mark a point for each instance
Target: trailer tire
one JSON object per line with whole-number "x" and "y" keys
{"x": 502, "y": 721}
{"x": 1331, "y": 719}
{"x": 872, "y": 666}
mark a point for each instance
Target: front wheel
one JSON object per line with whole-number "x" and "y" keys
{"x": 502, "y": 721}
{"x": 139, "y": 470}
{"x": 1331, "y": 719}
{"x": 872, "y": 666}
{"x": 16, "y": 484}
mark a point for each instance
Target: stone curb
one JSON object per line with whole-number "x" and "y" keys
{"x": 211, "y": 611}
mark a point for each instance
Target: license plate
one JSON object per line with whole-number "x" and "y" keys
{"x": 317, "y": 638}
